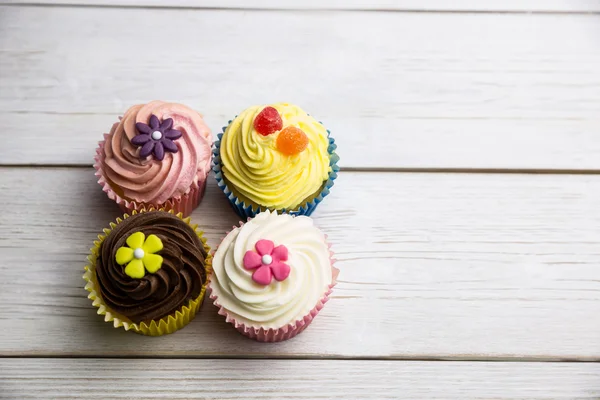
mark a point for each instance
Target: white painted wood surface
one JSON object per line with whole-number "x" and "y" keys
{"x": 432, "y": 265}
{"x": 476, "y": 266}
{"x": 307, "y": 379}
{"x": 538, "y": 6}
{"x": 398, "y": 90}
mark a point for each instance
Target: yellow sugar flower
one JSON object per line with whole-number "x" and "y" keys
{"x": 139, "y": 256}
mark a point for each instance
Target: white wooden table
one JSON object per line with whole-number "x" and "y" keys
{"x": 466, "y": 218}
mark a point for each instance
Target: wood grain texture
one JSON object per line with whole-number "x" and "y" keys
{"x": 462, "y": 266}
{"x": 383, "y": 5}
{"x": 411, "y": 144}
{"x": 286, "y": 379}
{"x": 434, "y": 266}
{"x": 398, "y": 90}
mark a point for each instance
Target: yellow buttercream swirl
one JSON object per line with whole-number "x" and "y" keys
{"x": 260, "y": 173}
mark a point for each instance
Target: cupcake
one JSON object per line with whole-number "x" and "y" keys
{"x": 277, "y": 158}
{"x": 272, "y": 275}
{"x": 149, "y": 272}
{"x": 158, "y": 155}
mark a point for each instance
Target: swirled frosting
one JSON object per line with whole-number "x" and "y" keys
{"x": 280, "y": 302}
{"x": 148, "y": 180}
{"x": 260, "y": 173}
{"x": 179, "y": 280}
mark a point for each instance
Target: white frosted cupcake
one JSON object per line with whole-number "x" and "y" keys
{"x": 272, "y": 275}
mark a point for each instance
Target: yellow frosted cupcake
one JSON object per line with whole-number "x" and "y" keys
{"x": 275, "y": 157}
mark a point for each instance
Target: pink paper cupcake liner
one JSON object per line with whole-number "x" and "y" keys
{"x": 285, "y": 332}
{"x": 184, "y": 204}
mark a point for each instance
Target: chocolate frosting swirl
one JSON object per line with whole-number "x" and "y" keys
{"x": 179, "y": 280}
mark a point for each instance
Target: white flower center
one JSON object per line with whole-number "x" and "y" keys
{"x": 138, "y": 253}
{"x": 267, "y": 259}
{"x": 156, "y": 135}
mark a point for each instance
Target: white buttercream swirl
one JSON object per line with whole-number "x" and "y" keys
{"x": 279, "y": 303}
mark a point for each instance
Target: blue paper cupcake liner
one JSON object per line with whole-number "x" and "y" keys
{"x": 246, "y": 211}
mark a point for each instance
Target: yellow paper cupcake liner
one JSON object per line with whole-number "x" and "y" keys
{"x": 163, "y": 326}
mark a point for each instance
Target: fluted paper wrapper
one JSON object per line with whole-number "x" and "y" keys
{"x": 288, "y": 331}
{"x": 247, "y": 209}
{"x": 163, "y": 326}
{"x": 184, "y": 204}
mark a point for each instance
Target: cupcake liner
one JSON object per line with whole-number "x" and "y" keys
{"x": 184, "y": 204}
{"x": 163, "y": 326}
{"x": 249, "y": 210}
{"x": 288, "y": 331}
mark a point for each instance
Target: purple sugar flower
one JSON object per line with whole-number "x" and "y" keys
{"x": 156, "y": 137}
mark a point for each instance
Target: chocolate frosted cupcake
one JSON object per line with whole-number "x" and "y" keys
{"x": 149, "y": 272}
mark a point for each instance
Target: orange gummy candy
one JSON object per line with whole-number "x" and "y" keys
{"x": 292, "y": 140}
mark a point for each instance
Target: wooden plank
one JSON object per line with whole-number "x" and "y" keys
{"x": 398, "y": 90}
{"x": 306, "y": 379}
{"x": 383, "y": 5}
{"x": 419, "y": 143}
{"x": 461, "y": 266}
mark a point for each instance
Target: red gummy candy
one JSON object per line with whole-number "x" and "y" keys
{"x": 268, "y": 121}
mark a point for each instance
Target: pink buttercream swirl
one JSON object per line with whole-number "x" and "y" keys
{"x": 148, "y": 180}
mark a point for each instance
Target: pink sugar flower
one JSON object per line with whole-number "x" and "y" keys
{"x": 267, "y": 261}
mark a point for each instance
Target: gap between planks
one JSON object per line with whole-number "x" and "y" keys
{"x": 498, "y": 171}
{"x": 531, "y": 7}
{"x": 273, "y": 356}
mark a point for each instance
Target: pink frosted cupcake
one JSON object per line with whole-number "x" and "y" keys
{"x": 158, "y": 155}
{"x": 272, "y": 276}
